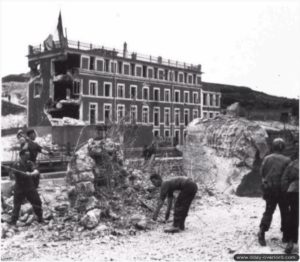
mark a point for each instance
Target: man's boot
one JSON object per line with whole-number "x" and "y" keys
{"x": 181, "y": 225}
{"x": 284, "y": 238}
{"x": 261, "y": 238}
{"x": 172, "y": 229}
{"x": 289, "y": 247}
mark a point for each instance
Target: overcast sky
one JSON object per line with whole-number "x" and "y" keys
{"x": 249, "y": 43}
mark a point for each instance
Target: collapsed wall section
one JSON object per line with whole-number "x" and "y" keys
{"x": 225, "y": 153}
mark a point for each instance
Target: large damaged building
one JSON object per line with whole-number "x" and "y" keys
{"x": 97, "y": 86}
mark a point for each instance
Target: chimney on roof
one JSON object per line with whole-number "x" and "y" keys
{"x": 125, "y": 49}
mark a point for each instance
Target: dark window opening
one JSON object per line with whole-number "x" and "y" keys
{"x": 100, "y": 65}
{"x": 84, "y": 63}
{"x": 37, "y": 89}
{"x": 107, "y": 90}
{"x": 139, "y": 71}
{"x": 198, "y": 80}
{"x": 133, "y": 92}
{"x": 155, "y": 72}
{"x": 156, "y": 94}
{"x": 167, "y": 133}
{"x": 92, "y": 63}
{"x": 106, "y": 65}
{"x": 150, "y": 73}
{"x": 120, "y": 67}
{"x": 180, "y": 77}
{"x": 177, "y": 96}
{"x": 126, "y": 69}
{"x": 132, "y": 69}
{"x": 144, "y": 71}
{"x": 161, "y": 74}
{"x": 186, "y": 118}
{"x": 145, "y": 94}
{"x": 217, "y": 100}
{"x": 107, "y": 113}
{"x": 92, "y": 114}
{"x": 76, "y": 87}
{"x": 205, "y": 99}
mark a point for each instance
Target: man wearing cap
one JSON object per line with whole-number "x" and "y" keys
{"x": 24, "y": 171}
{"x": 188, "y": 190}
{"x": 272, "y": 169}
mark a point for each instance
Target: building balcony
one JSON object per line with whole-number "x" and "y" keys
{"x": 112, "y": 53}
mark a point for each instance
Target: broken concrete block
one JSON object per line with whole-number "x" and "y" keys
{"x": 62, "y": 207}
{"x": 91, "y": 203}
{"x": 5, "y": 218}
{"x": 26, "y": 208}
{"x": 47, "y": 215}
{"x": 85, "y": 188}
{"x": 9, "y": 202}
{"x": 24, "y": 217}
{"x": 85, "y": 163}
{"x": 30, "y": 219}
{"x": 4, "y": 230}
{"x": 86, "y": 176}
{"x": 20, "y": 224}
{"x": 91, "y": 219}
{"x": 139, "y": 221}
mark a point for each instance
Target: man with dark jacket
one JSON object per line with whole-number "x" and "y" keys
{"x": 34, "y": 149}
{"x": 188, "y": 190}
{"x": 271, "y": 171}
{"x": 23, "y": 171}
{"x": 290, "y": 186}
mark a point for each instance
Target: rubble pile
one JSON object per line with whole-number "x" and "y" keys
{"x": 102, "y": 197}
{"x": 12, "y": 121}
{"x": 225, "y": 153}
{"x": 100, "y": 185}
{"x": 65, "y": 121}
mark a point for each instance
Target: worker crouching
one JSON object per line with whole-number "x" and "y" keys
{"x": 188, "y": 190}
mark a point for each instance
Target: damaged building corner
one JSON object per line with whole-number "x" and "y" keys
{"x": 64, "y": 98}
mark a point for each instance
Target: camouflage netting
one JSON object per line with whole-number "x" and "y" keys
{"x": 225, "y": 153}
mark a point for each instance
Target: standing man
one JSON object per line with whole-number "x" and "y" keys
{"x": 271, "y": 171}
{"x": 290, "y": 186}
{"x": 24, "y": 171}
{"x": 188, "y": 190}
{"x": 34, "y": 149}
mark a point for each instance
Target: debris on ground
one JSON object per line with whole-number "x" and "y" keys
{"x": 101, "y": 194}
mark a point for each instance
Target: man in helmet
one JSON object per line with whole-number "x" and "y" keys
{"x": 272, "y": 169}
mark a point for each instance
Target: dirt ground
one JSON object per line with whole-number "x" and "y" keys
{"x": 217, "y": 228}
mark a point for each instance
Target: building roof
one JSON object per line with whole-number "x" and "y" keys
{"x": 115, "y": 53}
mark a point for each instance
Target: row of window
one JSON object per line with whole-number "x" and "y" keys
{"x": 93, "y": 88}
{"x": 211, "y": 99}
{"x": 210, "y": 114}
{"x": 138, "y": 70}
{"x": 133, "y": 114}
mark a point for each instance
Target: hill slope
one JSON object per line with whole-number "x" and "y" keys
{"x": 251, "y": 99}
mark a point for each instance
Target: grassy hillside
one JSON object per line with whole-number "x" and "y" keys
{"x": 251, "y": 99}
{"x": 16, "y": 78}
